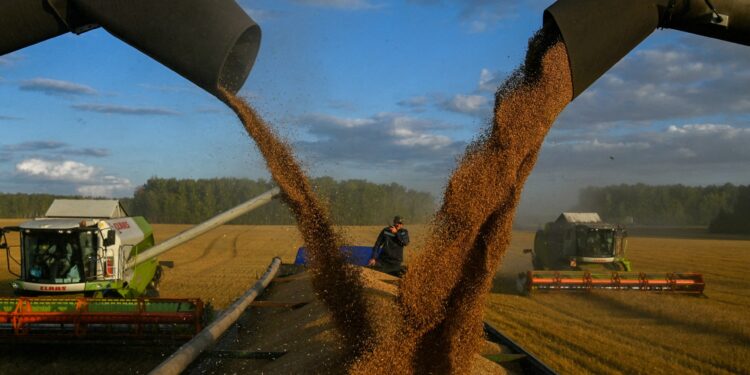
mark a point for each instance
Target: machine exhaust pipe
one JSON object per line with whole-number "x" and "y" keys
{"x": 212, "y": 43}
{"x": 598, "y": 33}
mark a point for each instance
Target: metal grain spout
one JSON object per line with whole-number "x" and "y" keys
{"x": 210, "y": 42}
{"x": 598, "y": 33}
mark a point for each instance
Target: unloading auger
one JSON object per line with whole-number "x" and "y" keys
{"x": 210, "y": 42}
{"x": 598, "y": 33}
{"x": 89, "y": 269}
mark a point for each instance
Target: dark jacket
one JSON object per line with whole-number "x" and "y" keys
{"x": 392, "y": 245}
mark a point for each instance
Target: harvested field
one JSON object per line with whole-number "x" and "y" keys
{"x": 633, "y": 332}
{"x": 602, "y": 332}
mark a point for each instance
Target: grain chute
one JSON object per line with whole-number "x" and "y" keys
{"x": 210, "y": 42}
{"x": 598, "y": 33}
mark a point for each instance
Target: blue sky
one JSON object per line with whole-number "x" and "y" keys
{"x": 373, "y": 89}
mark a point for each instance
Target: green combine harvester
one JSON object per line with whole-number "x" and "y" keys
{"x": 92, "y": 249}
{"x": 579, "y": 251}
{"x": 87, "y": 267}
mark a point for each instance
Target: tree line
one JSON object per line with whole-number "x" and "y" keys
{"x": 736, "y": 219}
{"x": 20, "y": 205}
{"x": 663, "y": 205}
{"x": 190, "y": 201}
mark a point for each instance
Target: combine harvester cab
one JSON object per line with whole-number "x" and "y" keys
{"x": 579, "y": 251}
{"x": 80, "y": 247}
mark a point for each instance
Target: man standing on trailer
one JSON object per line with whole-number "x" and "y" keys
{"x": 388, "y": 251}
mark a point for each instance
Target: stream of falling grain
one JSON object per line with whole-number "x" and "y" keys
{"x": 337, "y": 283}
{"x": 442, "y": 296}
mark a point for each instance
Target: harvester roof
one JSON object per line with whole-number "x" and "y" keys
{"x": 52, "y": 224}
{"x": 86, "y": 208}
{"x": 579, "y": 218}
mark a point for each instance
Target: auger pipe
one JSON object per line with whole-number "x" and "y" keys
{"x": 204, "y": 227}
{"x": 212, "y": 43}
{"x": 599, "y": 33}
{"x": 187, "y": 353}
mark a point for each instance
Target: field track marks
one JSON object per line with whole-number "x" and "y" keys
{"x": 657, "y": 347}
{"x": 235, "y": 243}
{"x": 566, "y": 352}
{"x": 596, "y": 336}
{"x": 697, "y": 326}
{"x": 207, "y": 248}
{"x": 213, "y": 252}
{"x": 552, "y": 338}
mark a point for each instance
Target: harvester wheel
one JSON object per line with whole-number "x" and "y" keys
{"x": 521, "y": 284}
{"x": 158, "y": 275}
{"x": 152, "y": 290}
{"x": 619, "y": 267}
{"x": 208, "y": 314}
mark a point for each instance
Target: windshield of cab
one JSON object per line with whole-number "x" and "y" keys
{"x": 59, "y": 257}
{"x": 595, "y": 243}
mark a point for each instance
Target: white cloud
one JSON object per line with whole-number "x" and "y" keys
{"x": 696, "y": 77}
{"x": 10, "y": 59}
{"x": 108, "y": 186}
{"x": 415, "y": 102}
{"x": 363, "y": 139}
{"x": 56, "y": 87}
{"x": 596, "y": 145}
{"x": 721, "y": 130}
{"x": 73, "y": 176}
{"x": 468, "y": 104}
{"x": 125, "y": 110}
{"x": 705, "y": 146}
{"x": 408, "y": 137}
{"x": 348, "y": 123}
{"x": 482, "y": 15}
{"x": 489, "y": 81}
{"x": 685, "y": 153}
{"x": 68, "y": 170}
{"x": 261, "y": 15}
{"x": 340, "y": 4}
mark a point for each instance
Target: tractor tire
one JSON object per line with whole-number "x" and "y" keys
{"x": 151, "y": 292}
{"x": 521, "y": 284}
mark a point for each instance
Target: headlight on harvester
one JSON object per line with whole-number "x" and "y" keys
{"x": 14, "y": 285}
